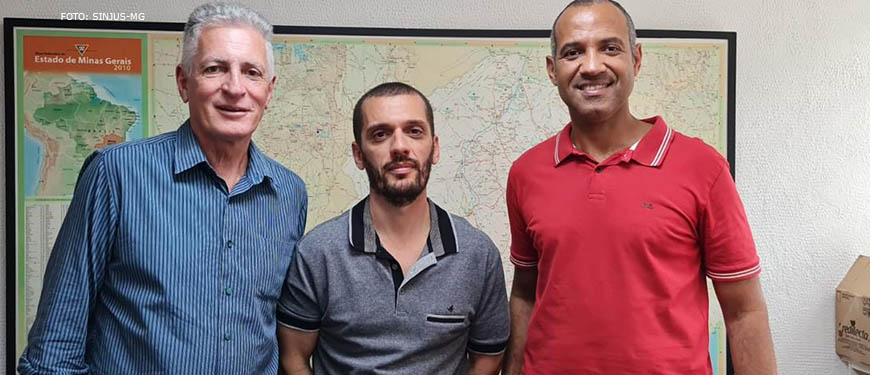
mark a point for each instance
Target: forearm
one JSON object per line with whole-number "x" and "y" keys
{"x": 38, "y": 365}
{"x": 295, "y": 367}
{"x": 521, "y": 313}
{"x": 485, "y": 364}
{"x": 750, "y": 343}
{"x": 745, "y": 315}
{"x": 295, "y": 349}
{"x": 56, "y": 340}
{"x": 75, "y": 269}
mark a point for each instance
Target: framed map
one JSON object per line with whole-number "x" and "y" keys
{"x": 75, "y": 86}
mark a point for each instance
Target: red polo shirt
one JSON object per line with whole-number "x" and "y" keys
{"x": 621, "y": 250}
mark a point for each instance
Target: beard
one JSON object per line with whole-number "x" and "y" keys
{"x": 398, "y": 195}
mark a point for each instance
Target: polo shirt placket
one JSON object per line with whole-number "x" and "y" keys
{"x": 395, "y": 269}
{"x": 361, "y": 222}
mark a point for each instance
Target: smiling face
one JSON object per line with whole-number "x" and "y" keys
{"x": 593, "y": 67}
{"x": 228, "y": 88}
{"x": 397, "y": 147}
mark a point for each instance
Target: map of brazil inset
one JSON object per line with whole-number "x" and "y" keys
{"x": 491, "y": 96}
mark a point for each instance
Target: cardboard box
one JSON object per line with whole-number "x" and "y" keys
{"x": 853, "y": 313}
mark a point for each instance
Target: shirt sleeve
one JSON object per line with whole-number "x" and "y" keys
{"x": 299, "y": 306}
{"x": 729, "y": 250}
{"x": 523, "y": 254}
{"x": 491, "y": 326}
{"x": 56, "y": 342}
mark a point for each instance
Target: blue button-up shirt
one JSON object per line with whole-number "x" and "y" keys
{"x": 158, "y": 269}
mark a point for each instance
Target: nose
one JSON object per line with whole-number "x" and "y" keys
{"x": 233, "y": 84}
{"x": 592, "y": 64}
{"x": 399, "y": 144}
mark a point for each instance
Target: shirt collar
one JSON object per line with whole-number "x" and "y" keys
{"x": 187, "y": 151}
{"x": 362, "y": 236}
{"x": 188, "y": 154}
{"x": 259, "y": 167}
{"x": 654, "y": 146}
{"x": 649, "y": 151}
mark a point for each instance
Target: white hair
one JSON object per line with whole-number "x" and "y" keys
{"x": 223, "y": 14}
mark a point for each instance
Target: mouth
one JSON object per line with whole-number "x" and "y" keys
{"x": 403, "y": 167}
{"x": 232, "y": 109}
{"x": 594, "y": 88}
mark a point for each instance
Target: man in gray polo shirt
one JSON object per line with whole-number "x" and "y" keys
{"x": 395, "y": 285}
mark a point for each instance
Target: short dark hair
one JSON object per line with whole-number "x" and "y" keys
{"x": 632, "y": 32}
{"x": 388, "y": 89}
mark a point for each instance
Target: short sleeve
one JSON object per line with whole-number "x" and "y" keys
{"x": 523, "y": 254}
{"x": 491, "y": 327}
{"x": 729, "y": 250}
{"x": 299, "y": 306}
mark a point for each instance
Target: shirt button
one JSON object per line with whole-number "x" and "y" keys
{"x": 228, "y": 291}
{"x": 599, "y": 169}
{"x": 395, "y": 267}
{"x": 229, "y": 244}
{"x": 228, "y": 336}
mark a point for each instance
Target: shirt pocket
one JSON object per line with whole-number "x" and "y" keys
{"x": 445, "y": 329}
{"x": 279, "y": 253}
{"x": 445, "y": 319}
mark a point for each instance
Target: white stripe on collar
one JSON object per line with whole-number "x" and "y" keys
{"x": 662, "y": 148}
{"x": 350, "y": 226}
{"x": 556, "y": 151}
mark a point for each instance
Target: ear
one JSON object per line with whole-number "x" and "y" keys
{"x": 436, "y": 150}
{"x": 270, "y": 90}
{"x": 181, "y": 81}
{"x": 638, "y": 51}
{"x": 357, "y": 156}
{"x": 551, "y": 69}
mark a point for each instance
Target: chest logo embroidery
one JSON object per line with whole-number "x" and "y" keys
{"x": 647, "y": 205}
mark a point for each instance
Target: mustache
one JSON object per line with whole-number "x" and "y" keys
{"x": 399, "y": 160}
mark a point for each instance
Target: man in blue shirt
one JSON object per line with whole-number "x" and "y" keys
{"x": 173, "y": 253}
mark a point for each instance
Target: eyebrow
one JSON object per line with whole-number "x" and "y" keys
{"x": 375, "y": 127}
{"x": 569, "y": 45}
{"x": 382, "y": 125}
{"x": 255, "y": 65}
{"x": 209, "y": 60}
{"x": 219, "y": 60}
{"x": 611, "y": 40}
{"x": 416, "y": 123}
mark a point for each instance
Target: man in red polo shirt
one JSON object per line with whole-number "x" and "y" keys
{"x": 615, "y": 222}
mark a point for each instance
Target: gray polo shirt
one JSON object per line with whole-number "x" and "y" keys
{"x": 371, "y": 319}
